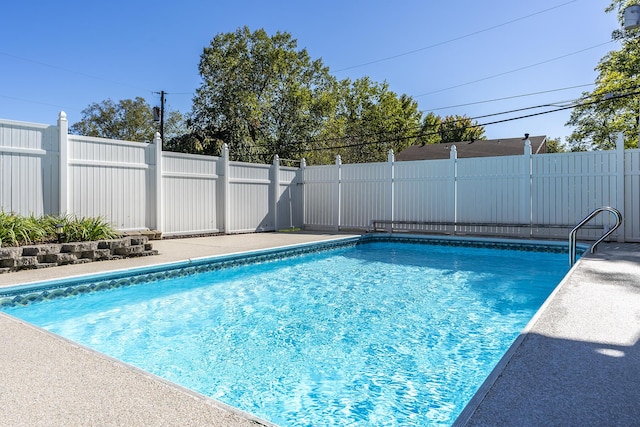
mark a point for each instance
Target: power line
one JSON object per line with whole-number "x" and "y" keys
{"x": 508, "y": 97}
{"x": 463, "y": 118}
{"x": 455, "y": 38}
{"x": 550, "y": 104}
{"x": 513, "y": 71}
{"x": 422, "y": 134}
{"x": 44, "y": 64}
{"x": 30, "y": 101}
{"x": 264, "y": 150}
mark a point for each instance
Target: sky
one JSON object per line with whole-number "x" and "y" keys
{"x": 478, "y": 59}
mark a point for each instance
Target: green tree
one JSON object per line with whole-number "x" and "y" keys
{"x": 368, "y": 121}
{"x": 554, "y": 145}
{"x": 130, "y": 120}
{"x": 613, "y": 105}
{"x": 260, "y": 95}
{"x": 436, "y": 129}
{"x": 429, "y": 131}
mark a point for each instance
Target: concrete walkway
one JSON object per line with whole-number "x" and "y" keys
{"x": 577, "y": 364}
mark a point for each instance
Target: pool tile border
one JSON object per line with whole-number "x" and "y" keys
{"x": 27, "y": 294}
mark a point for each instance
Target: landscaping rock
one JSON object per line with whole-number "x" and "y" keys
{"x": 138, "y": 240}
{"x": 50, "y": 255}
{"x": 8, "y": 263}
{"x": 25, "y": 262}
{"x": 129, "y": 251}
{"x": 36, "y": 250}
{"x": 79, "y": 247}
{"x": 113, "y": 244}
{"x": 10, "y": 253}
{"x": 96, "y": 255}
{"x": 152, "y": 234}
{"x": 60, "y": 259}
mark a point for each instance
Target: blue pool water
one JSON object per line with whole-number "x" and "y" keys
{"x": 380, "y": 333}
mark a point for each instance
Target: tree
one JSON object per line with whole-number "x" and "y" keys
{"x": 554, "y": 145}
{"x": 436, "y": 129}
{"x": 612, "y": 106}
{"x": 260, "y": 95}
{"x": 130, "y": 120}
{"x": 368, "y": 121}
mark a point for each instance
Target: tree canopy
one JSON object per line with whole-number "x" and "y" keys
{"x": 263, "y": 96}
{"x": 128, "y": 119}
{"x": 612, "y": 106}
{"x": 368, "y": 120}
{"x": 260, "y": 95}
{"x": 436, "y": 129}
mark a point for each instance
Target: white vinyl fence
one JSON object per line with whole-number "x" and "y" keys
{"x": 29, "y": 168}
{"x": 136, "y": 185}
{"x": 542, "y": 195}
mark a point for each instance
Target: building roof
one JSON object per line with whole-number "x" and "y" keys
{"x": 479, "y": 148}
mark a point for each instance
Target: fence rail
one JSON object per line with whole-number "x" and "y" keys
{"x": 136, "y": 185}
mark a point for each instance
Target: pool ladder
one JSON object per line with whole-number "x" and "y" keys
{"x": 572, "y": 233}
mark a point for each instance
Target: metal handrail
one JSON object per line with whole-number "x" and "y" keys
{"x": 572, "y": 233}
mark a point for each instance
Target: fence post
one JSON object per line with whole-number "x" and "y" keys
{"x": 157, "y": 141}
{"x": 226, "y": 196}
{"x": 337, "y": 189}
{"x": 275, "y": 184}
{"x": 301, "y": 193}
{"x": 389, "y": 214}
{"x": 526, "y": 207}
{"x": 620, "y": 183}
{"x": 453, "y": 186}
{"x": 63, "y": 163}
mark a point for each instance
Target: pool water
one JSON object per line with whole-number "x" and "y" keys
{"x": 375, "y": 334}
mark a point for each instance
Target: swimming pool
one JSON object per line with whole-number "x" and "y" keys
{"x": 298, "y": 341}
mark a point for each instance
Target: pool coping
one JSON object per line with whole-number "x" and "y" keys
{"x": 461, "y": 419}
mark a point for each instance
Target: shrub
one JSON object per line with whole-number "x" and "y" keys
{"x": 84, "y": 229}
{"x": 17, "y": 230}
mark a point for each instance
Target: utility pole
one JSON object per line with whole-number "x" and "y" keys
{"x": 159, "y": 115}
{"x": 162, "y": 116}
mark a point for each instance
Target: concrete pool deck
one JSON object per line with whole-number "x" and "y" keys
{"x": 577, "y": 364}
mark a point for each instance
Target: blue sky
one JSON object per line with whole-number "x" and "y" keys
{"x": 452, "y": 57}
